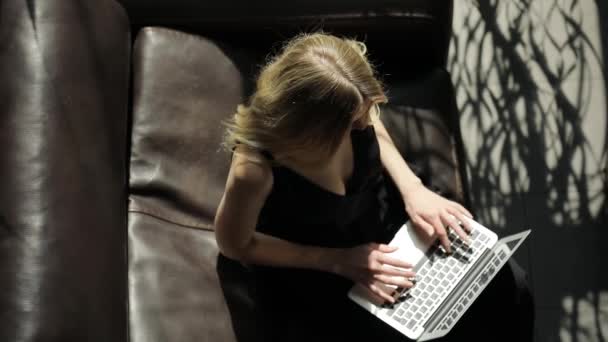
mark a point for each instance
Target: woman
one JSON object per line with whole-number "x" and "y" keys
{"x": 316, "y": 188}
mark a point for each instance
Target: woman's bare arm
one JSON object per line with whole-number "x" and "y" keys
{"x": 393, "y": 162}
{"x": 427, "y": 210}
{"x": 247, "y": 188}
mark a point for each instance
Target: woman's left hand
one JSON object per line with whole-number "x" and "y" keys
{"x": 433, "y": 213}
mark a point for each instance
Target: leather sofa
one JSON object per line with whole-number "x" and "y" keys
{"x": 110, "y": 165}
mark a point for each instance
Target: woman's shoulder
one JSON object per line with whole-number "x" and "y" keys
{"x": 250, "y": 170}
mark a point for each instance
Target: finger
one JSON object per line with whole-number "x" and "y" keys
{"x": 462, "y": 216}
{"x": 393, "y": 271}
{"x": 422, "y": 224}
{"x": 462, "y": 219}
{"x": 373, "y": 297}
{"x": 452, "y": 221}
{"x": 386, "y": 248}
{"x": 441, "y": 234}
{"x": 463, "y": 210}
{"x": 394, "y": 261}
{"x": 396, "y": 281}
{"x": 378, "y": 291}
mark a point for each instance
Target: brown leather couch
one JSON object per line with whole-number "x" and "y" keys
{"x": 110, "y": 165}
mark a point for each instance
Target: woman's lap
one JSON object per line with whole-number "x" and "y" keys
{"x": 503, "y": 312}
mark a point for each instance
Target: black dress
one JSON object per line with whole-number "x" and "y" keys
{"x": 286, "y": 304}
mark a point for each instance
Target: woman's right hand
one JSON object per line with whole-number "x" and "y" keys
{"x": 371, "y": 266}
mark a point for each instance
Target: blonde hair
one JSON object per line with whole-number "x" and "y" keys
{"x": 307, "y": 96}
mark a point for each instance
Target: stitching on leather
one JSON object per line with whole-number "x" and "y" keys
{"x": 145, "y": 209}
{"x": 288, "y": 19}
{"x": 415, "y": 15}
{"x": 151, "y": 214}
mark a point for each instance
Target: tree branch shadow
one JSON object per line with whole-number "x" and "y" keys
{"x": 532, "y": 142}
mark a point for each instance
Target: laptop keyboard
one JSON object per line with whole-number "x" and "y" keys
{"x": 435, "y": 280}
{"x": 471, "y": 293}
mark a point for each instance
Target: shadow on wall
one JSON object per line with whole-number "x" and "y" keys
{"x": 531, "y": 84}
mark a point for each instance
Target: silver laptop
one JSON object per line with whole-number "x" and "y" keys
{"x": 446, "y": 284}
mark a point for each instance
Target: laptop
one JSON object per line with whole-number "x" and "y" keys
{"x": 446, "y": 285}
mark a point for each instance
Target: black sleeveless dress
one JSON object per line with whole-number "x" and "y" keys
{"x": 285, "y": 304}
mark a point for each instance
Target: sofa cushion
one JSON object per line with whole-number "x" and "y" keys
{"x": 173, "y": 291}
{"x": 183, "y": 87}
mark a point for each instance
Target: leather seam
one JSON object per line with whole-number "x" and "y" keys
{"x": 167, "y": 218}
{"x": 333, "y": 17}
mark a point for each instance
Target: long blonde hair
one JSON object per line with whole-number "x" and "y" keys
{"x": 307, "y": 96}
